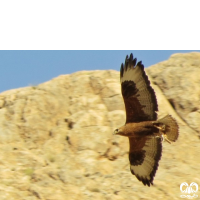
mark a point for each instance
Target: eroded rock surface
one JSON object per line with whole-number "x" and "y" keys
{"x": 56, "y": 138}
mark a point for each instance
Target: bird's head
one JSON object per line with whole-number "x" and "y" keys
{"x": 118, "y": 131}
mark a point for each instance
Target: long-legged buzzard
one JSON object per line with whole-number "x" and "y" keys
{"x": 144, "y": 130}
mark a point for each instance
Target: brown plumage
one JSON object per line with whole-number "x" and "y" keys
{"x": 144, "y": 131}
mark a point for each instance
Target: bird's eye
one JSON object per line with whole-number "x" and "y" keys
{"x": 116, "y": 131}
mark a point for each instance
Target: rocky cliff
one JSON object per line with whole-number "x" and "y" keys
{"x": 56, "y": 138}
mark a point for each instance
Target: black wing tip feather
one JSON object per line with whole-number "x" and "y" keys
{"x": 144, "y": 181}
{"x": 122, "y": 70}
{"x": 130, "y": 62}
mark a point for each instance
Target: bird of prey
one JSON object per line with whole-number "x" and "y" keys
{"x": 145, "y": 132}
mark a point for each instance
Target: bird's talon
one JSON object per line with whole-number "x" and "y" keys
{"x": 165, "y": 138}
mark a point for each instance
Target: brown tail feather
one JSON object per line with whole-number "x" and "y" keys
{"x": 171, "y": 127}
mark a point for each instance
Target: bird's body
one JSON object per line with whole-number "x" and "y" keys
{"x": 144, "y": 130}
{"x": 138, "y": 129}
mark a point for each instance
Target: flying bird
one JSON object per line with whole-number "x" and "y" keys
{"x": 145, "y": 132}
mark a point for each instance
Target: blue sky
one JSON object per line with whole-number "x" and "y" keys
{"x": 25, "y": 68}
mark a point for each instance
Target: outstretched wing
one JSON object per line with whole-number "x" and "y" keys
{"x": 139, "y": 97}
{"x": 144, "y": 155}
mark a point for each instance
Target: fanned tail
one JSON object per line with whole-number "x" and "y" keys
{"x": 169, "y": 128}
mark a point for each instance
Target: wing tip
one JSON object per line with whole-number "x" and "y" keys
{"x": 145, "y": 181}
{"x": 122, "y": 70}
{"x": 130, "y": 62}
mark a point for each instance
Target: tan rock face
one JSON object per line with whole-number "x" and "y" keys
{"x": 57, "y": 143}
